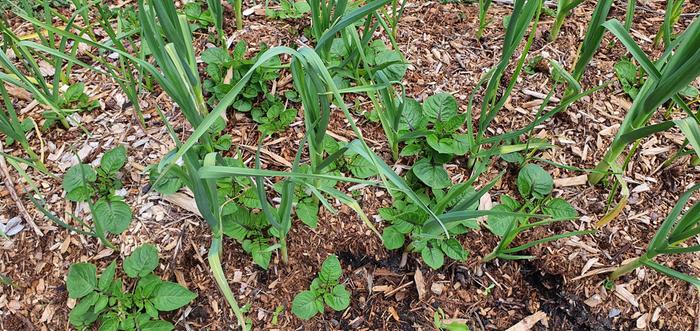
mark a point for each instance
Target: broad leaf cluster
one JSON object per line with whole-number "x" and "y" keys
{"x": 97, "y": 186}
{"x": 535, "y": 187}
{"x": 103, "y": 301}
{"x": 325, "y": 290}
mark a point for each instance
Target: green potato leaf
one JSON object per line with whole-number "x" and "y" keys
{"x": 304, "y": 305}
{"x": 498, "y": 224}
{"x": 113, "y": 160}
{"x": 435, "y": 176}
{"x": 433, "y": 256}
{"x": 412, "y": 116}
{"x": 79, "y": 177}
{"x": 360, "y": 167}
{"x": 534, "y": 181}
{"x": 157, "y": 325}
{"x": 82, "y": 280}
{"x": 456, "y": 145}
{"x": 559, "y": 208}
{"x": 258, "y": 249}
{"x": 440, "y": 107}
{"x": 307, "y": 211}
{"x": 170, "y": 296}
{"x": 115, "y": 216}
{"x": 338, "y": 299}
{"x": 107, "y": 276}
{"x": 216, "y": 55}
{"x": 142, "y": 261}
{"x": 330, "y": 269}
{"x": 453, "y": 249}
{"x": 392, "y": 238}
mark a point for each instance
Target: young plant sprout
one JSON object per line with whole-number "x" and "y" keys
{"x": 673, "y": 237}
{"x": 535, "y": 188}
{"x": 679, "y": 66}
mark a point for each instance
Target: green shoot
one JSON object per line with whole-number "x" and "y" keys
{"x": 325, "y": 290}
{"x": 666, "y": 79}
{"x": 102, "y": 300}
{"x": 564, "y": 7}
{"x": 677, "y": 229}
{"x": 535, "y": 186}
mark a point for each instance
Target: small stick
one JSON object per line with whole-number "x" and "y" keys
{"x": 11, "y": 188}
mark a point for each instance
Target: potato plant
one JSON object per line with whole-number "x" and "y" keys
{"x": 325, "y": 290}
{"x": 104, "y": 301}
{"x": 224, "y": 69}
{"x": 432, "y": 134}
{"x": 354, "y": 53}
{"x": 98, "y": 186}
{"x": 535, "y": 187}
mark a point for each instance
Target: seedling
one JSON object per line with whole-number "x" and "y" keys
{"x": 666, "y": 78}
{"x": 407, "y": 220}
{"x": 97, "y": 187}
{"x": 488, "y": 289}
{"x": 431, "y": 132}
{"x": 441, "y": 323}
{"x": 289, "y": 9}
{"x": 201, "y": 19}
{"x": 325, "y": 291}
{"x": 275, "y": 314}
{"x": 564, "y": 8}
{"x": 250, "y": 229}
{"x": 226, "y": 69}
{"x": 457, "y": 209}
{"x": 103, "y": 302}
{"x": 273, "y": 115}
{"x": 672, "y": 14}
{"x": 535, "y": 186}
{"x": 74, "y": 100}
{"x": 675, "y": 236}
{"x": 483, "y": 10}
{"x": 629, "y": 77}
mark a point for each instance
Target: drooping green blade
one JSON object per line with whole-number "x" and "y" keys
{"x": 683, "y": 67}
{"x": 458, "y": 190}
{"x": 456, "y": 216}
{"x": 680, "y": 250}
{"x": 476, "y": 197}
{"x": 670, "y": 222}
{"x": 573, "y": 83}
{"x": 594, "y": 35}
{"x": 673, "y": 273}
{"x": 545, "y": 240}
{"x": 691, "y": 130}
{"x": 227, "y": 100}
{"x": 646, "y": 131}
{"x": 349, "y": 19}
{"x": 218, "y": 272}
{"x": 687, "y": 227}
{"x": 214, "y": 172}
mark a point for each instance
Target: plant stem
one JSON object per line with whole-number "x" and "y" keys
{"x": 218, "y": 273}
{"x": 283, "y": 250}
{"x": 603, "y": 166}
{"x": 239, "y": 16}
{"x": 558, "y": 22}
{"x": 490, "y": 256}
{"x": 622, "y": 270}
{"x": 629, "y": 16}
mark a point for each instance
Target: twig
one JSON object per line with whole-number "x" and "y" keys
{"x": 11, "y": 188}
